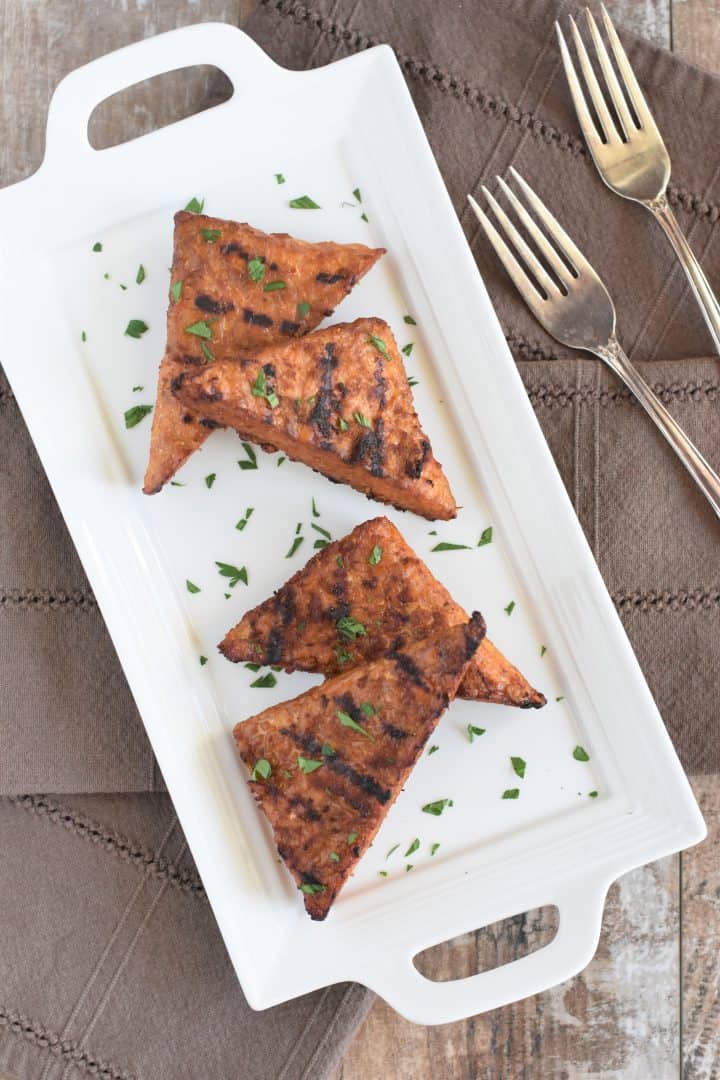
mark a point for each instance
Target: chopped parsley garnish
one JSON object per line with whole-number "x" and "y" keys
{"x": 256, "y": 269}
{"x": 352, "y": 837}
{"x": 347, "y": 721}
{"x": 297, "y": 541}
{"x": 273, "y": 286}
{"x": 265, "y": 682}
{"x": 313, "y": 507}
{"x": 409, "y": 320}
{"x": 412, "y": 381}
{"x": 210, "y": 235}
{"x": 413, "y": 847}
{"x": 362, "y": 420}
{"x": 97, "y": 246}
{"x": 408, "y": 868}
{"x": 200, "y": 329}
{"x": 83, "y": 335}
{"x": 176, "y": 483}
{"x": 210, "y": 479}
{"x": 234, "y": 573}
{"x": 251, "y": 462}
{"x": 561, "y": 698}
{"x": 383, "y": 873}
{"x": 195, "y": 206}
{"x": 342, "y": 424}
{"x": 244, "y": 520}
{"x": 123, "y": 287}
{"x": 135, "y": 414}
{"x": 364, "y": 217}
{"x": 279, "y": 178}
{"x": 334, "y": 857}
{"x": 280, "y": 461}
{"x": 207, "y": 352}
{"x": 136, "y": 328}
{"x": 191, "y": 586}
{"x": 581, "y": 754}
{"x": 203, "y": 661}
{"x": 319, "y": 529}
{"x": 351, "y": 628}
{"x": 474, "y": 732}
{"x": 176, "y": 290}
{"x": 141, "y": 275}
{"x": 444, "y": 545}
{"x": 407, "y": 349}
{"x": 519, "y": 765}
{"x": 303, "y": 309}
{"x": 307, "y": 765}
{"x": 510, "y": 608}
{"x": 433, "y": 750}
{"x": 436, "y": 808}
{"x": 511, "y": 793}
{"x": 321, "y": 544}
{"x": 434, "y": 848}
{"x": 342, "y": 655}
{"x": 303, "y": 203}
{"x": 260, "y": 389}
{"x": 326, "y": 750}
{"x": 393, "y": 848}
{"x": 592, "y": 794}
{"x": 375, "y": 555}
{"x": 367, "y": 708}
{"x": 136, "y": 389}
{"x": 311, "y": 888}
{"x": 543, "y": 650}
{"x": 261, "y": 768}
{"x": 485, "y": 537}
{"x": 106, "y": 276}
{"x": 356, "y": 194}
{"x": 380, "y": 345}
{"x": 252, "y": 667}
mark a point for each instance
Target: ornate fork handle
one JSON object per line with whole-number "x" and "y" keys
{"x": 696, "y": 276}
{"x": 701, "y": 471}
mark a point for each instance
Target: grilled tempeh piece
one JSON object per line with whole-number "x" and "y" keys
{"x": 226, "y": 282}
{"x": 337, "y": 400}
{"x": 326, "y": 786}
{"x": 373, "y": 578}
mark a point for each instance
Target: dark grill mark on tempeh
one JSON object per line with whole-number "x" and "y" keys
{"x": 370, "y": 446}
{"x": 395, "y": 733}
{"x": 309, "y": 879}
{"x": 288, "y": 327}
{"x": 215, "y": 307}
{"x": 213, "y": 393}
{"x": 286, "y": 606}
{"x": 187, "y": 358}
{"x": 380, "y": 388}
{"x": 187, "y": 418}
{"x": 408, "y": 666}
{"x": 273, "y": 652}
{"x": 177, "y": 382}
{"x": 414, "y": 468}
{"x": 270, "y": 790}
{"x": 323, "y": 408}
{"x": 234, "y": 249}
{"x": 211, "y": 425}
{"x": 256, "y": 318}
{"x": 310, "y": 745}
{"x": 269, "y": 370}
{"x": 330, "y": 279}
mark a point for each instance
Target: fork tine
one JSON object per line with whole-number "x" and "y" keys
{"x": 607, "y": 124}
{"x": 520, "y": 279}
{"x": 526, "y": 253}
{"x": 546, "y": 248}
{"x": 627, "y": 124}
{"x": 587, "y": 123}
{"x": 637, "y": 98}
{"x": 567, "y": 246}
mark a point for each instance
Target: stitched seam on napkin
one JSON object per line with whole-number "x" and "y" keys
{"x": 549, "y": 396}
{"x": 50, "y": 1041}
{"x": 701, "y": 599}
{"x": 475, "y": 97}
{"x": 44, "y": 598}
{"x": 186, "y": 880}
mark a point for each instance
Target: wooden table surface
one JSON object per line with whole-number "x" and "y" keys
{"x": 648, "y": 1005}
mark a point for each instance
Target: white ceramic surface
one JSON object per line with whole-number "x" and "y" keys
{"x": 329, "y": 131}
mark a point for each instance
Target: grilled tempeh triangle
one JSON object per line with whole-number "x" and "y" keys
{"x": 339, "y": 401}
{"x": 240, "y": 289}
{"x": 327, "y": 766}
{"x": 374, "y": 578}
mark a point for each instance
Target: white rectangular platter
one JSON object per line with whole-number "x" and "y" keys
{"x": 329, "y": 131}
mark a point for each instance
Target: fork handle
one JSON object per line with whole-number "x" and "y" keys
{"x": 704, "y": 294}
{"x": 701, "y": 471}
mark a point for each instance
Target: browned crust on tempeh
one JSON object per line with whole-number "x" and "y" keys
{"x": 337, "y": 809}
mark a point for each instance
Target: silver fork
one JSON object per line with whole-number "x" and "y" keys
{"x": 628, "y": 150}
{"x": 568, "y": 298}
